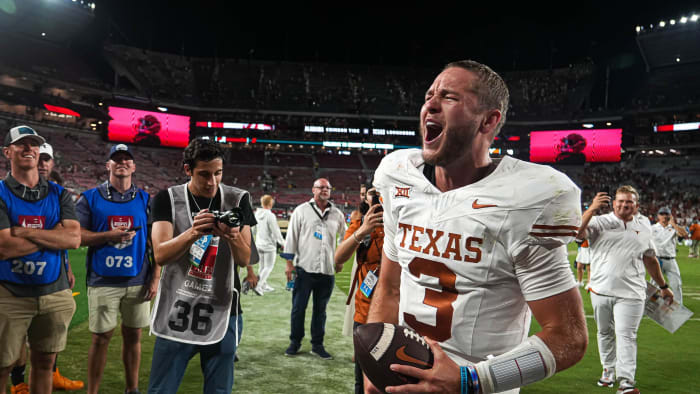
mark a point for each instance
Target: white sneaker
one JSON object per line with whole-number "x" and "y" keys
{"x": 258, "y": 291}
{"x": 608, "y": 378}
{"x": 267, "y": 287}
{"x": 627, "y": 387}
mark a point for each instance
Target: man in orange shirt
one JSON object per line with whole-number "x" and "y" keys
{"x": 365, "y": 237}
{"x": 695, "y": 238}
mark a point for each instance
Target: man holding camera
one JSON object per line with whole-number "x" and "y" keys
{"x": 365, "y": 237}
{"x": 311, "y": 237}
{"x": 113, "y": 225}
{"x": 621, "y": 247}
{"x": 201, "y": 230}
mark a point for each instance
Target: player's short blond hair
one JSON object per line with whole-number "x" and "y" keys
{"x": 491, "y": 88}
{"x": 267, "y": 200}
{"x": 628, "y": 189}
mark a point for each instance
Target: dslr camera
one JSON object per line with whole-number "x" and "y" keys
{"x": 231, "y": 218}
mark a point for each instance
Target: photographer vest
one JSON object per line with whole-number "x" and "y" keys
{"x": 193, "y": 304}
{"x": 118, "y": 259}
{"x": 43, "y": 266}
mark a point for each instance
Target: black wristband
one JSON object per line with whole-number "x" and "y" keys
{"x": 664, "y": 287}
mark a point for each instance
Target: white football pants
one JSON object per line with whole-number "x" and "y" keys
{"x": 267, "y": 263}
{"x": 669, "y": 267}
{"x": 618, "y": 321}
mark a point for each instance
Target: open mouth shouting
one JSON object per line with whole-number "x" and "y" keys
{"x": 433, "y": 131}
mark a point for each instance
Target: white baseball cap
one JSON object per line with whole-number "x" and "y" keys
{"x": 19, "y": 132}
{"x": 46, "y": 148}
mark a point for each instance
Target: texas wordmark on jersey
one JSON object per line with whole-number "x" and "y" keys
{"x": 472, "y": 257}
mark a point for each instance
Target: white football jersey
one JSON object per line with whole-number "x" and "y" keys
{"x": 472, "y": 257}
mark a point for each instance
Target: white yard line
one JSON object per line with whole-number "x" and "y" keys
{"x": 691, "y": 319}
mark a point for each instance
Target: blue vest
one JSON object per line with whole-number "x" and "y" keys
{"x": 44, "y": 266}
{"x": 123, "y": 259}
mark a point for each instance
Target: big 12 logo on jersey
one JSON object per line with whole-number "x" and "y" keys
{"x": 116, "y": 222}
{"x": 31, "y": 221}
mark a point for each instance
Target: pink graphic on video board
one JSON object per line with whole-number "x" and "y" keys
{"x": 148, "y": 128}
{"x": 575, "y": 146}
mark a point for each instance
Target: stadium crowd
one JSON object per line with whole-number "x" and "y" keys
{"x": 284, "y": 173}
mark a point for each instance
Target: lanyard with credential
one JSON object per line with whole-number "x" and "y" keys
{"x": 318, "y": 233}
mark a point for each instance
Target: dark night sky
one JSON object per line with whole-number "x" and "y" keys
{"x": 428, "y": 33}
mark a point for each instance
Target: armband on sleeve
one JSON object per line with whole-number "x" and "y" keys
{"x": 530, "y": 362}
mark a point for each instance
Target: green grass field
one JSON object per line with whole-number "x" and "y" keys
{"x": 667, "y": 363}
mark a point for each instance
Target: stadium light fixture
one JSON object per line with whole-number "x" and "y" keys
{"x": 43, "y": 34}
{"x": 509, "y": 151}
{"x": 608, "y": 123}
{"x": 694, "y": 18}
{"x": 662, "y": 24}
{"x": 588, "y": 125}
{"x": 659, "y": 152}
{"x": 638, "y": 28}
{"x": 163, "y": 109}
{"x": 684, "y": 19}
{"x": 678, "y": 60}
{"x": 673, "y": 150}
{"x": 672, "y": 21}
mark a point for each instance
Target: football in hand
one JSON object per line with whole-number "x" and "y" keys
{"x": 378, "y": 345}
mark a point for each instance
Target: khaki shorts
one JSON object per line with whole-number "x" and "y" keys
{"x": 105, "y": 303}
{"x": 44, "y": 320}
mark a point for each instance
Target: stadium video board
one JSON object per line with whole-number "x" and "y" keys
{"x": 576, "y": 146}
{"x": 148, "y": 128}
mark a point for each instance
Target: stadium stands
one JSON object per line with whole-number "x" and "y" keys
{"x": 320, "y": 94}
{"x": 348, "y": 89}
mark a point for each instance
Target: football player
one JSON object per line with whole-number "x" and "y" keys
{"x": 474, "y": 246}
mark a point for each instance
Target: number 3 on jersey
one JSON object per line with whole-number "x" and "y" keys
{"x": 442, "y": 300}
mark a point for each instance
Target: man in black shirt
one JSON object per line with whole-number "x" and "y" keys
{"x": 197, "y": 309}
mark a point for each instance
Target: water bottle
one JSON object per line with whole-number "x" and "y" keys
{"x": 290, "y": 283}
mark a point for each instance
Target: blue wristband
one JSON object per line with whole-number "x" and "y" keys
{"x": 464, "y": 386}
{"x": 474, "y": 380}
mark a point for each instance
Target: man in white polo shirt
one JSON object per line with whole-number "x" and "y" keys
{"x": 621, "y": 247}
{"x": 666, "y": 233}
